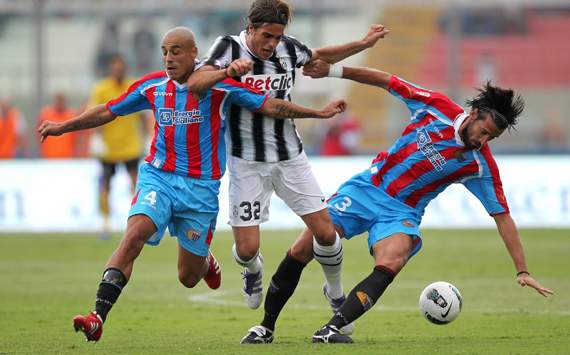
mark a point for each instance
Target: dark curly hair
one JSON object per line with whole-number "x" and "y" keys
{"x": 269, "y": 11}
{"x": 502, "y": 104}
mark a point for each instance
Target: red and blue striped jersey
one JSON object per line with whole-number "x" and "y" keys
{"x": 188, "y": 133}
{"x": 430, "y": 155}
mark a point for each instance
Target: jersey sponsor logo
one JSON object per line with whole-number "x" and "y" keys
{"x": 162, "y": 93}
{"x": 169, "y": 117}
{"x": 270, "y": 82}
{"x": 428, "y": 150}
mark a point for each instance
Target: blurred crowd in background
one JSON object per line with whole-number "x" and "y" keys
{"x": 55, "y": 53}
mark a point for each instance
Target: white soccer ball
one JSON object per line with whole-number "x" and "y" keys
{"x": 440, "y": 302}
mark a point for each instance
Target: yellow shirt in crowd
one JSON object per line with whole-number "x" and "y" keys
{"x": 122, "y": 138}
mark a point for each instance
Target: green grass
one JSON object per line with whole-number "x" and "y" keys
{"x": 46, "y": 279}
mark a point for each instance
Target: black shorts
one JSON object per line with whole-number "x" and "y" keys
{"x": 109, "y": 169}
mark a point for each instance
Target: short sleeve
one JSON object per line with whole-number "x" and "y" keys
{"x": 242, "y": 95}
{"x": 421, "y": 100}
{"x": 131, "y": 101}
{"x": 488, "y": 187}
{"x": 220, "y": 54}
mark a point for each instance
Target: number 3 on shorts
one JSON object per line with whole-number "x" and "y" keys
{"x": 248, "y": 211}
{"x": 343, "y": 205}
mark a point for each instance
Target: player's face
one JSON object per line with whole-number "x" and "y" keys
{"x": 476, "y": 132}
{"x": 264, "y": 39}
{"x": 178, "y": 54}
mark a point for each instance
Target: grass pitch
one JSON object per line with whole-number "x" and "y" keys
{"x": 46, "y": 279}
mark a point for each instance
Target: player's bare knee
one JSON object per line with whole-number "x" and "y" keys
{"x": 247, "y": 251}
{"x": 302, "y": 252}
{"x": 189, "y": 280}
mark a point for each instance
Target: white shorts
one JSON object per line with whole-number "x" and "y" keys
{"x": 252, "y": 183}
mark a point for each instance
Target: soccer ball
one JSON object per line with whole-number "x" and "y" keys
{"x": 440, "y": 302}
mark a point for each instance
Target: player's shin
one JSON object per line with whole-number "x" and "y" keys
{"x": 330, "y": 257}
{"x": 363, "y": 296}
{"x": 281, "y": 288}
{"x": 109, "y": 290}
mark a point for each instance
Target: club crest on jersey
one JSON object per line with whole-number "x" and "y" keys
{"x": 193, "y": 235}
{"x": 169, "y": 117}
{"x": 269, "y": 82}
{"x": 283, "y": 62}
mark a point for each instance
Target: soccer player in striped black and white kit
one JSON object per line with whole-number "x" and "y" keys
{"x": 267, "y": 156}
{"x": 443, "y": 144}
{"x": 178, "y": 185}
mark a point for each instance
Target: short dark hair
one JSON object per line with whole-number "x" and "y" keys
{"x": 269, "y": 11}
{"x": 502, "y": 104}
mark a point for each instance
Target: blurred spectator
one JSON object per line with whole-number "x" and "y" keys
{"x": 12, "y": 129}
{"x": 144, "y": 47}
{"x": 108, "y": 47}
{"x": 552, "y": 137}
{"x": 118, "y": 142}
{"x": 62, "y": 147}
{"x": 343, "y": 137}
{"x": 486, "y": 69}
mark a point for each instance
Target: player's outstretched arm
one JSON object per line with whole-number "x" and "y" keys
{"x": 336, "y": 53}
{"x": 91, "y": 118}
{"x": 509, "y": 233}
{"x": 320, "y": 69}
{"x": 281, "y": 109}
{"x": 207, "y": 76}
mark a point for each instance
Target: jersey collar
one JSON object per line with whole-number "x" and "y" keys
{"x": 456, "y": 125}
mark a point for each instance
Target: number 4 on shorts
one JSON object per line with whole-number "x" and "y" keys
{"x": 151, "y": 198}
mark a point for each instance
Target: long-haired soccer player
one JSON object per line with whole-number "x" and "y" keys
{"x": 443, "y": 144}
{"x": 267, "y": 156}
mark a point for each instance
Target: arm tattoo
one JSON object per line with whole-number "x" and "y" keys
{"x": 285, "y": 111}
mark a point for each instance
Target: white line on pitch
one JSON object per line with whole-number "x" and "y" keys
{"x": 217, "y": 298}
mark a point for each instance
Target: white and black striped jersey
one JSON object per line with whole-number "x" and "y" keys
{"x": 250, "y": 135}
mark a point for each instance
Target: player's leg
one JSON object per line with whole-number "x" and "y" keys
{"x": 249, "y": 196}
{"x": 390, "y": 256}
{"x": 148, "y": 217}
{"x": 283, "y": 284}
{"x": 116, "y": 275}
{"x": 194, "y": 224}
{"x": 327, "y": 250}
{"x": 107, "y": 172}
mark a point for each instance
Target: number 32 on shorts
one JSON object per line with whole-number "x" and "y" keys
{"x": 249, "y": 211}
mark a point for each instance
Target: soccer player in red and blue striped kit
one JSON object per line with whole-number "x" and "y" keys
{"x": 442, "y": 145}
{"x": 178, "y": 185}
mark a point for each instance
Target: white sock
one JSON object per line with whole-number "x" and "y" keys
{"x": 254, "y": 265}
{"x": 330, "y": 258}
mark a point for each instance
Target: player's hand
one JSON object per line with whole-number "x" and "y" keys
{"x": 239, "y": 67}
{"x": 49, "y": 128}
{"x": 375, "y": 32}
{"x": 316, "y": 69}
{"x": 333, "y": 108}
{"x": 527, "y": 280}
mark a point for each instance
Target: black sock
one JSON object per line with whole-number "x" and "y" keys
{"x": 109, "y": 290}
{"x": 283, "y": 284}
{"x": 363, "y": 296}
